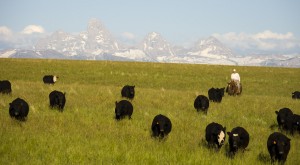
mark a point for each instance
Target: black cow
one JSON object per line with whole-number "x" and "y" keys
{"x": 57, "y": 100}
{"x": 18, "y": 109}
{"x": 215, "y": 135}
{"x": 161, "y": 126}
{"x": 201, "y": 103}
{"x": 216, "y": 94}
{"x": 238, "y": 139}
{"x": 50, "y": 79}
{"x": 296, "y": 123}
{"x": 128, "y": 91}
{"x": 278, "y": 147}
{"x": 296, "y": 95}
{"x": 123, "y": 108}
{"x": 5, "y": 87}
{"x": 284, "y": 119}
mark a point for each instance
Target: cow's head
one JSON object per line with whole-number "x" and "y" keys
{"x": 281, "y": 147}
{"x": 233, "y": 140}
{"x": 118, "y": 111}
{"x": 55, "y": 78}
{"x": 131, "y": 90}
{"x": 221, "y": 90}
{"x": 221, "y": 137}
{"x": 14, "y": 109}
{"x": 162, "y": 126}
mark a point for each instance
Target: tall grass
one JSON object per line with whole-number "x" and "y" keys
{"x": 86, "y": 132}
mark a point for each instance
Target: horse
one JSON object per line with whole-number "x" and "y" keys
{"x": 232, "y": 88}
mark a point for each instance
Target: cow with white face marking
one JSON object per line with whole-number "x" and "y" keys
{"x": 238, "y": 139}
{"x": 215, "y": 135}
{"x": 50, "y": 79}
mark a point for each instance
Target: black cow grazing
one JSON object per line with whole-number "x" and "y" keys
{"x": 161, "y": 126}
{"x": 57, "y": 100}
{"x": 215, "y": 134}
{"x": 296, "y": 95}
{"x": 50, "y": 79}
{"x": 5, "y": 87}
{"x": 216, "y": 94}
{"x": 123, "y": 108}
{"x": 278, "y": 147}
{"x": 296, "y": 123}
{"x": 19, "y": 109}
{"x": 201, "y": 103}
{"x": 284, "y": 119}
{"x": 128, "y": 91}
{"x": 238, "y": 139}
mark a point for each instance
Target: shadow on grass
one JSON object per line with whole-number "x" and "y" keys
{"x": 264, "y": 158}
{"x": 19, "y": 123}
{"x": 159, "y": 139}
{"x": 203, "y": 143}
{"x": 231, "y": 155}
{"x": 274, "y": 127}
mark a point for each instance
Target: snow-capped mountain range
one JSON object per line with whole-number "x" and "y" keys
{"x": 98, "y": 44}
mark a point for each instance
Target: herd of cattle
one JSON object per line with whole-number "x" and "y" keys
{"x": 278, "y": 144}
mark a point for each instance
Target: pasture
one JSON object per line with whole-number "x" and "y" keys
{"x": 87, "y": 133}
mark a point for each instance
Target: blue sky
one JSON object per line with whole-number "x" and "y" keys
{"x": 179, "y": 22}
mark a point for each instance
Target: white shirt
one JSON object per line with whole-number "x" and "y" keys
{"x": 235, "y": 77}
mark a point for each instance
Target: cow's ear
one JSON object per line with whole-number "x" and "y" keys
{"x": 224, "y": 129}
{"x": 10, "y": 104}
{"x": 134, "y": 86}
{"x": 276, "y": 112}
{"x": 228, "y": 133}
{"x": 116, "y": 102}
{"x": 65, "y": 93}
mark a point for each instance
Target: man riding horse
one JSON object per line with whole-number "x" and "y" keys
{"x": 235, "y": 77}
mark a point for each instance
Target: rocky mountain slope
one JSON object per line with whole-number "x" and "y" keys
{"x": 97, "y": 43}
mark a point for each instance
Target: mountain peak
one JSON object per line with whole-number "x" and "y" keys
{"x": 155, "y": 45}
{"x": 209, "y": 41}
{"x": 154, "y": 35}
{"x": 211, "y": 47}
{"x": 98, "y": 39}
{"x": 95, "y": 26}
{"x": 95, "y": 41}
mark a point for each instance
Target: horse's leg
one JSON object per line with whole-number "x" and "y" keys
{"x": 239, "y": 88}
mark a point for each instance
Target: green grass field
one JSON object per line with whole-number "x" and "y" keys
{"x": 87, "y": 133}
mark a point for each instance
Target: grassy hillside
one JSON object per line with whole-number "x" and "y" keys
{"x": 86, "y": 132}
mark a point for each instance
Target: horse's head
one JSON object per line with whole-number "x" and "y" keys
{"x": 232, "y": 88}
